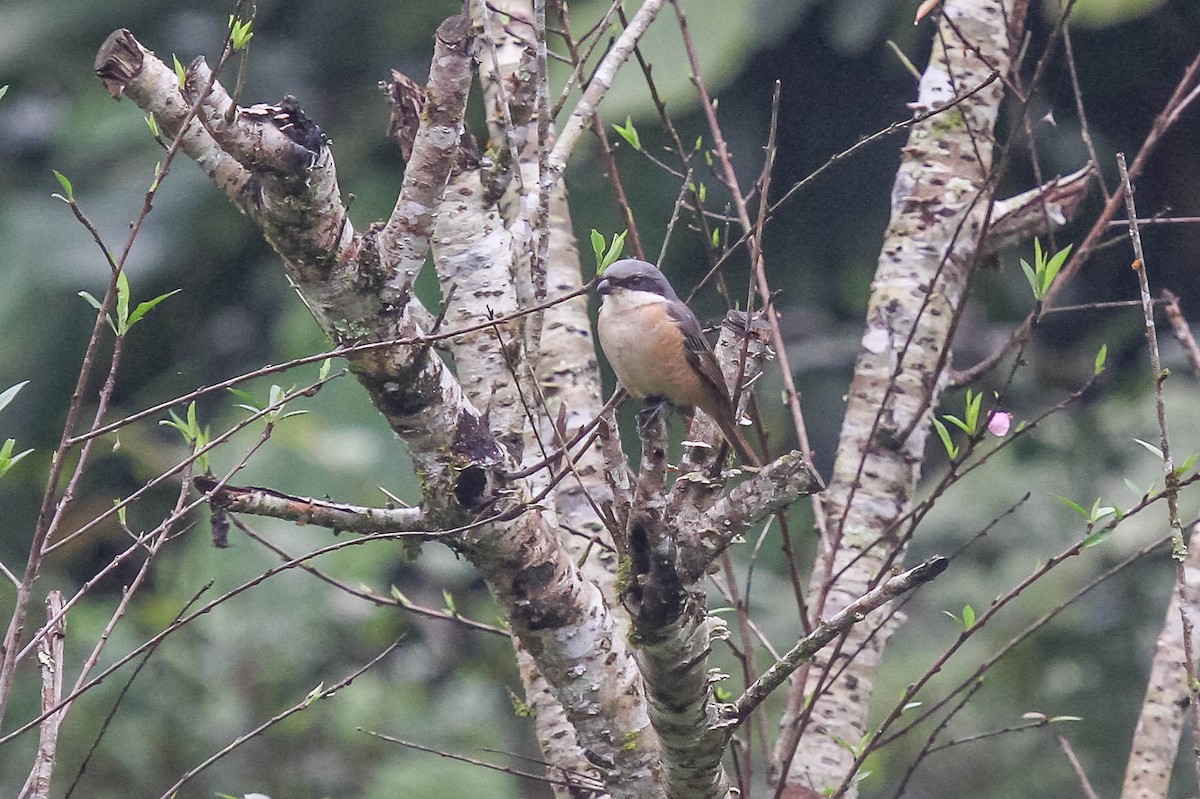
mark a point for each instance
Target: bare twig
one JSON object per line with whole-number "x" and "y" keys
{"x": 1084, "y": 783}
{"x": 829, "y": 629}
{"x": 1170, "y": 476}
{"x": 1182, "y": 330}
{"x": 580, "y": 782}
{"x": 320, "y": 692}
{"x": 598, "y": 87}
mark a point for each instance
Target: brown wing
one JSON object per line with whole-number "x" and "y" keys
{"x": 699, "y": 351}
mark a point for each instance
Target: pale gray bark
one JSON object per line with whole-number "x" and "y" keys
{"x": 940, "y": 202}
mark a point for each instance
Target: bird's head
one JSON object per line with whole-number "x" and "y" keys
{"x": 632, "y": 275}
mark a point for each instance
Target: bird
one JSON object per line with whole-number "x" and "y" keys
{"x": 657, "y": 349}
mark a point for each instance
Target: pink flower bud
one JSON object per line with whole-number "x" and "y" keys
{"x": 999, "y": 423}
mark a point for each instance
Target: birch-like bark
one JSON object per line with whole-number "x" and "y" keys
{"x": 51, "y": 651}
{"x": 939, "y": 205}
{"x": 356, "y": 292}
{"x": 669, "y": 543}
{"x": 1159, "y": 727}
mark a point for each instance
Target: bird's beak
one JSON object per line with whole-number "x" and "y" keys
{"x": 604, "y": 287}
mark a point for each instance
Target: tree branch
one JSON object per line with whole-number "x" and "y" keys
{"x": 305, "y": 510}
{"x": 940, "y": 208}
{"x": 826, "y": 631}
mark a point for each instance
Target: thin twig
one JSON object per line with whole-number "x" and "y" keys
{"x": 573, "y": 781}
{"x": 1084, "y": 783}
{"x": 313, "y": 696}
{"x": 1187, "y": 609}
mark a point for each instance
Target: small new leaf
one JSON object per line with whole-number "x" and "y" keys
{"x": 1075, "y": 506}
{"x": 314, "y": 694}
{"x": 959, "y": 423}
{"x": 7, "y": 459}
{"x": 95, "y": 303}
{"x": 180, "y": 72}
{"x": 606, "y": 257}
{"x": 629, "y": 134}
{"x": 68, "y": 195}
{"x": 122, "y": 303}
{"x": 1097, "y": 513}
{"x": 944, "y": 435}
{"x": 240, "y": 33}
{"x": 10, "y": 393}
{"x": 966, "y": 621}
{"x": 1041, "y": 275}
{"x": 249, "y": 402}
{"x": 144, "y": 308}
{"x": 1153, "y": 450}
{"x": 1101, "y": 359}
{"x": 598, "y": 247}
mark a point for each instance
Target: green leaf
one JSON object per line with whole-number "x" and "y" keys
{"x": 944, "y": 435}
{"x": 703, "y": 193}
{"x": 968, "y": 617}
{"x": 613, "y": 252}
{"x": 1132, "y": 486}
{"x": 1101, "y": 358}
{"x": 314, "y": 694}
{"x": 1097, "y": 513}
{"x": 598, "y": 249}
{"x": 251, "y": 403}
{"x": 144, "y": 308}
{"x": 180, "y": 72}
{"x": 240, "y": 33}
{"x": 152, "y": 123}
{"x": 1053, "y": 266}
{"x": 1097, "y": 538}
{"x": 10, "y": 393}
{"x": 7, "y": 459}
{"x": 959, "y": 423}
{"x": 716, "y": 237}
{"x": 122, "y": 303}
{"x": 1153, "y": 450}
{"x": 67, "y": 188}
{"x": 1031, "y": 277}
{"x": 974, "y": 403}
{"x": 323, "y": 372}
{"x": 629, "y": 134}
{"x": 121, "y": 509}
{"x": 1061, "y": 719}
{"x": 1075, "y": 506}
{"x": 95, "y": 303}
{"x": 449, "y": 599}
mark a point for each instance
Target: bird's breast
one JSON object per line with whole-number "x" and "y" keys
{"x": 645, "y": 348}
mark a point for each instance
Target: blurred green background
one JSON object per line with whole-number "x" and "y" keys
{"x": 447, "y": 688}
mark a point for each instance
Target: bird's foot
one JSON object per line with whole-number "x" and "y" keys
{"x": 653, "y": 409}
